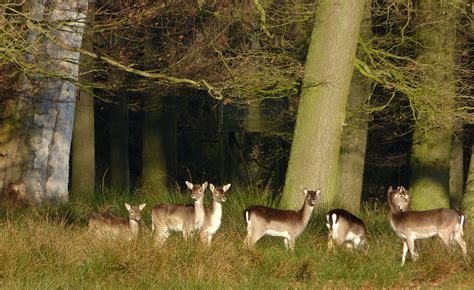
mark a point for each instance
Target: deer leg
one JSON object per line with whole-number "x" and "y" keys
{"x": 447, "y": 239}
{"x": 291, "y": 244}
{"x": 411, "y": 248}
{"x": 404, "y": 253}
{"x": 460, "y": 240}
{"x": 252, "y": 237}
{"x": 161, "y": 236}
{"x": 330, "y": 243}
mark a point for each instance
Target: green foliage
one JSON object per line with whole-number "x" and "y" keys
{"x": 50, "y": 248}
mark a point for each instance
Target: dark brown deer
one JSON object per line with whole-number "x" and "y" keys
{"x": 289, "y": 224}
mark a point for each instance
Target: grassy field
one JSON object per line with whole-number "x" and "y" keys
{"x": 50, "y": 248}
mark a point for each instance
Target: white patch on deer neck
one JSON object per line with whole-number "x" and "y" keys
{"x": 200, "y": 214}
{"x": 133, "y": 227}
{"x": 216, "y": 216}
{"x": 273, "y": 233}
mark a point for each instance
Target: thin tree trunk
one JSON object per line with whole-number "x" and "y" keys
{"x": 354, "y": 135}
{"x": 456, "y": 170}
{"x": 430, "y": 154}
{"x": 83, "y": 142}
{"x": 468, "y": 201}
{"x": 118, "y": 134}
{"x": 328, "y": 70}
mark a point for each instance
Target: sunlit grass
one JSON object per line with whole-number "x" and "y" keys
{"x": 51, "y": 248}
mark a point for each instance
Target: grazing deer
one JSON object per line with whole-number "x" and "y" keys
{"x": 107, "y": 225}
{"x": 345, "y": 227}
{"x": 168, "y": 217}
{"x": 289, "y": 224}
{"x": 214, "y": 213}
{"x": 409, "y": 225}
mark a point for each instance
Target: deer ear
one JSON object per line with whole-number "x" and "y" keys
{"x": 318, "y": 192}
{"x": 204, "y": 185}
{"x": 189, "y": 185}
{"x": 211, "y": 187}
{"x": 127, "y": 206}
{"x": 390, "y": 189}
{"x": 305, "y": 191}
{"x": 142, "y": 206}
{"x": 226, "y": 187}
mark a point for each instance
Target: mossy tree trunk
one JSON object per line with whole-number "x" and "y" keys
{"x": 430, "y": 152}
{"x": 329, "y": 64}
{"x": 354, "y": 134}
{"x": 83, "y": 140}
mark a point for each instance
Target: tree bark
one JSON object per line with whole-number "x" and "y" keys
{"x": 314, "y": 152}
{"x": 83, "y": 141}
{"x": 354, "y": 134}
{"x": 159, "y": 143}
{"x": 47, "y": 103}
{"x": 456, "y": 172}
{"x": 468, "y": 201}
{"x": 430, "y": 153}
{"x": 118, "y": 142}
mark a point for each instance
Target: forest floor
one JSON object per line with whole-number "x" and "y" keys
{"x": 50, "y": 248}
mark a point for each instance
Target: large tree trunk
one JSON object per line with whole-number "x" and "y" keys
{"x": 354, "y": 134}
{"x": 159, "y": 144}
{"x": 47, "y": 104}
{"x": 430, "y": 154}
{"x": 468, "y": 202}
{"x": 328, "y": 70}
{"x": 83, "y": 142}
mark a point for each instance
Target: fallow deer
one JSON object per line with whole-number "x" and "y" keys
{"x": 107, "y": 225}
{"x": 187, "y": 219}
{"x": 409, "y": 225}
{"x": 289, "y": 224}
{"x": 214, "y": 213}
{"x": 345, "y": 228}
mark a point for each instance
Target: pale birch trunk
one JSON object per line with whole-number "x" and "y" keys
{"x": 40, "y": 158}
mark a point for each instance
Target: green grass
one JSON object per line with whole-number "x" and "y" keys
{"x": 50, "y": 248}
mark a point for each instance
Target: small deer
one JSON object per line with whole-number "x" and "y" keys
{"x": 168, "y": 217}
{"x": 214, "y": 213}
{"x": 289, "y": 224}
{"x": 107, "y": 225}
{"x": 409, "y": 225}
{"x": 344, "y": 227}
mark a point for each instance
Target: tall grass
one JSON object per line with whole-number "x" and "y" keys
{"x": 51, "y": 248}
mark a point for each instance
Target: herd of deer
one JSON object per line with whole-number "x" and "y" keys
{"x": 343, "y": 227}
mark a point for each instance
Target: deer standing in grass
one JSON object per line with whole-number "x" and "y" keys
{"x": 187, "y": 219}
{"x": 214, "y": 213}
{"x": 345, "y": 228}
{"x": 107, "y": 225}
{"x": 409, "y": 225}
{"x": 289, "y": 224}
